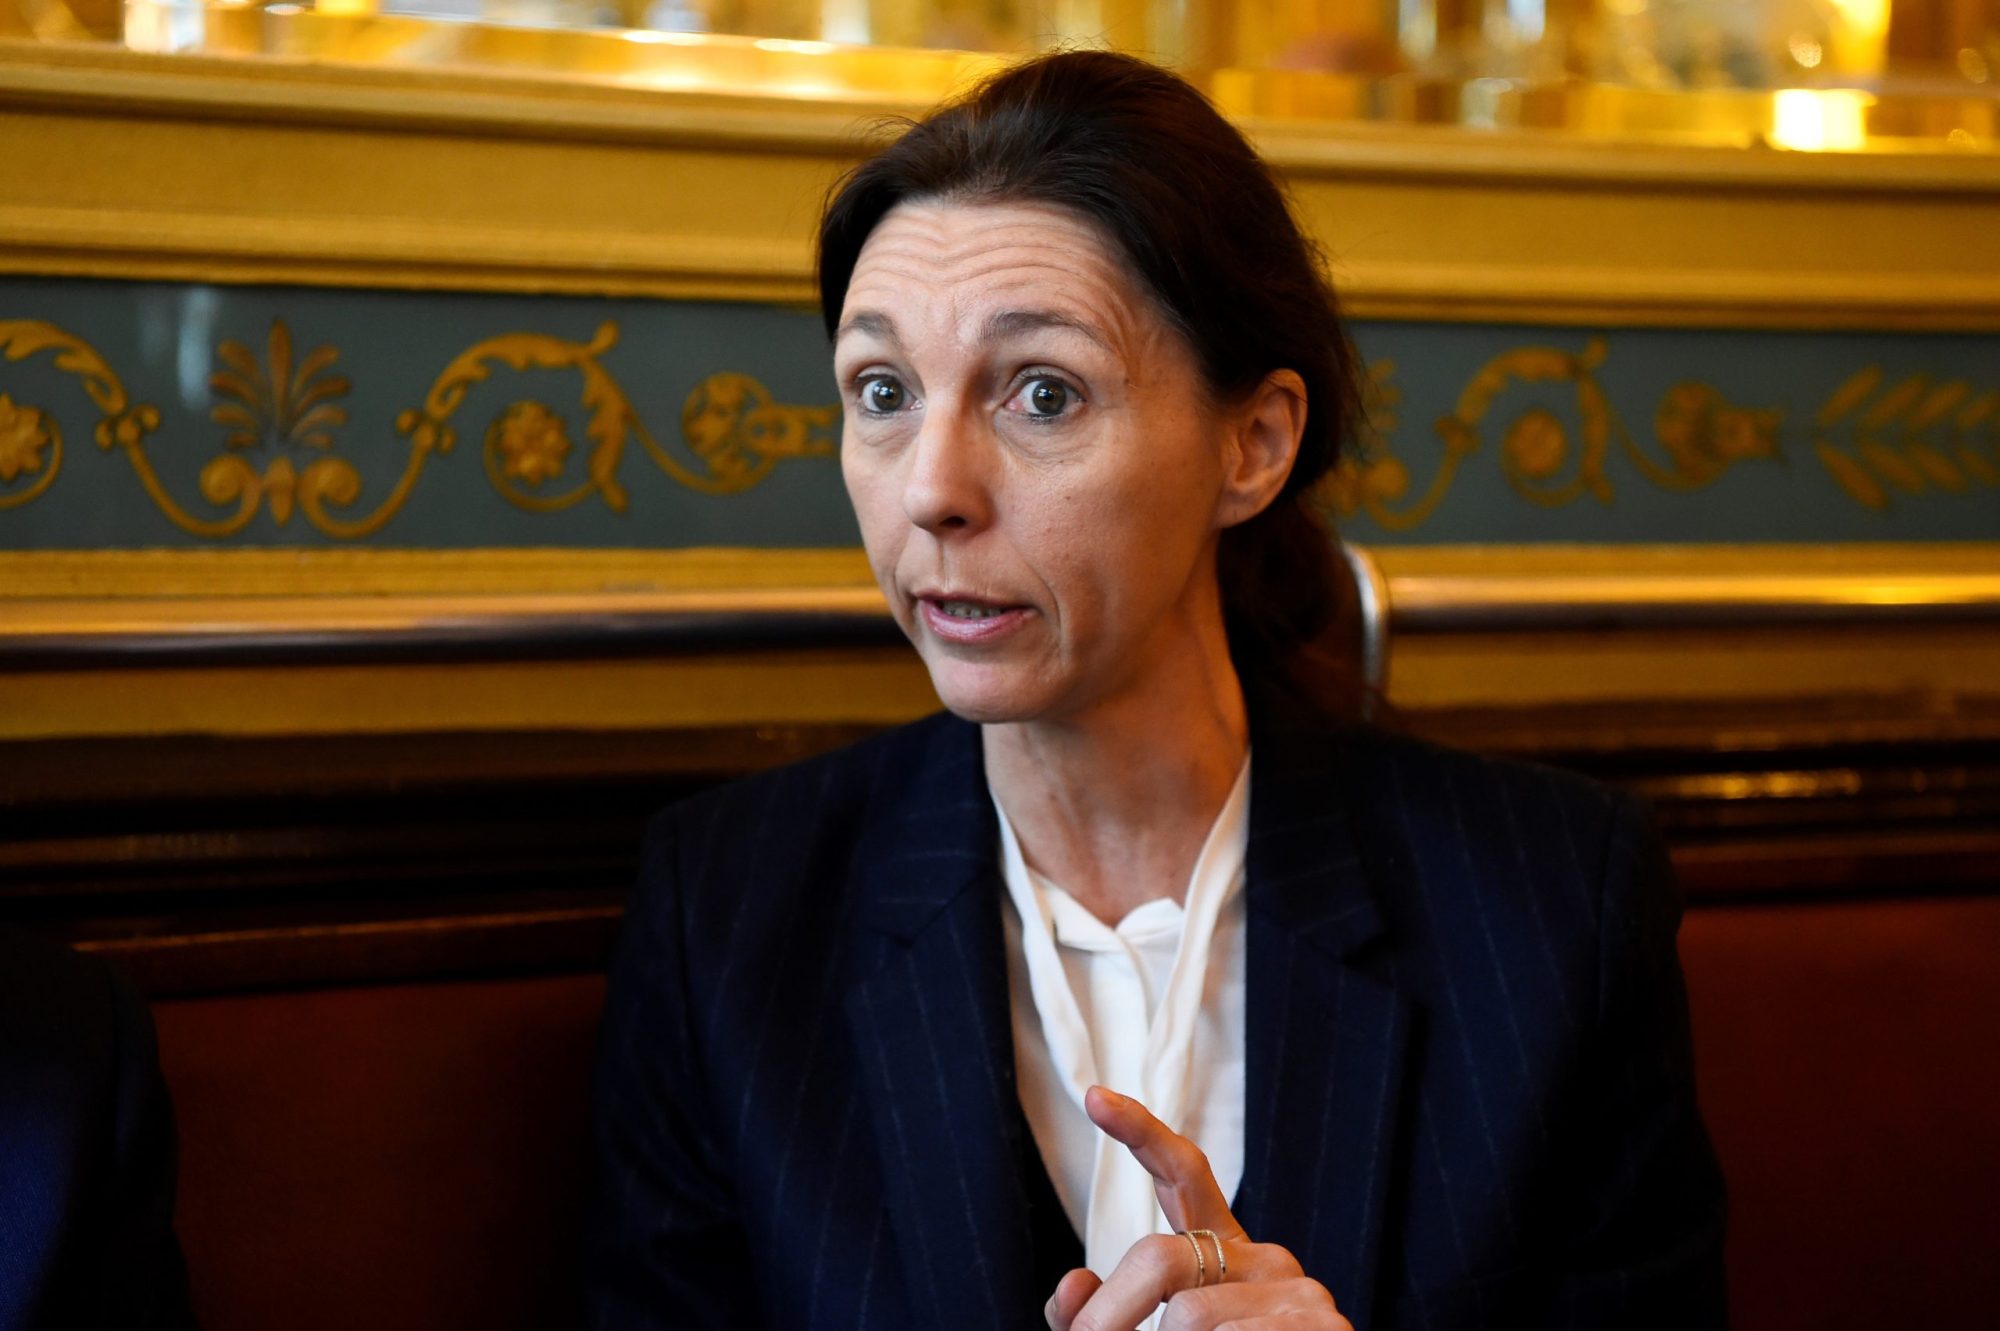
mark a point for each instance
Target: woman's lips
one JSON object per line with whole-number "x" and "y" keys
{"x": 974, "y": 621}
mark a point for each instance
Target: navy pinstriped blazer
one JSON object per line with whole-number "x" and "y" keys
{"x": 1469, "y": 1094}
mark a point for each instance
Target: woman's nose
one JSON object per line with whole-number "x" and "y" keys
{"x": 944, "y": 489}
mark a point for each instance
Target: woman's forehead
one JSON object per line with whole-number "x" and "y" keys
{"x": 974, "y": 269}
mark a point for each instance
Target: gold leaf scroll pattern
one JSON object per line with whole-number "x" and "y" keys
{"x": 1912, "y": 435}
{"x": 273, "y": 405}
{"x": 733, "y": 429}
{"x": 1700, "y": 434}
{"x": 271, "y": 409}
{"x": 31, "y": 442}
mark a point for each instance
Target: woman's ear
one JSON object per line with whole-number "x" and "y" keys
{"x": 1264, "y": 442}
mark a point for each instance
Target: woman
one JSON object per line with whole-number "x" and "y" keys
{"x": 1411, "y": 1020}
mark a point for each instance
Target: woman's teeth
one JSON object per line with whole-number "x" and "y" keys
{"x": 967, "y": 610}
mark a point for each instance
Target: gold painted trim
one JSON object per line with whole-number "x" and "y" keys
{"x": 1467, "y": 589}
{"x": 1449, "y": 604}
{"x": 1918, "y": 667}
{"x": 1910, "y": 670}
{"x": 367, "y": 251}
{"x": 1857, "y": 560}
{"x": 37, "y": 574}
{"x": 878, "y": 687}
{"x": 131, "y": 165}
{"x": 113, "y": 595}
{"x": 137, "y": 245}
{"x": 116, "y": 80}
{"x": 244, "y": 617}
{"x": 1617, "y": 296}
{"x": 217, "y": 574}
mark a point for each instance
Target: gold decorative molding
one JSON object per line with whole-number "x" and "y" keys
{"x": 1910, "y": 436}
{"x": 224, "y": 574}
{"x": 284, "y": 415}
{"x": 877, "y": 687}
{"x": 1916, "y": 435}
{"x": 219, "y": 576}
{"x": 26, "y": 430}
{"x": 129, "y": 165}
{"x": 1441, "y": 658}
{"x": 730, "y": 422}
{"x": 281, "y": 418}
{"x": 1856, "y": 562}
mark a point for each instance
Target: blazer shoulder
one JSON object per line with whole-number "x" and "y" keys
{"x": 796, "y": 829}
{"x": 1397, "y": 758}
{"x": 841, "y": 783}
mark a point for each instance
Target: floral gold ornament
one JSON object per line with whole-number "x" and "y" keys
{"x": 733, "y": 431}
{"x": 271, "y": 403}
{"x": 1878, "y": 439}
{"x": 1535, "y": 445}
{"x": 31, "y": 442}
{"x": 1699, "y": 435}
{"x": 281, "y": 414}
{"x": 281, "y": 417}
{"x": 530, "y": 441}
{"x": 24, "y": 433}
{"x": 269, "y": 409}
{"x": 1370, "y": 471}
{"x": 1703, "y": 436}
{"x": 734, "y": 427}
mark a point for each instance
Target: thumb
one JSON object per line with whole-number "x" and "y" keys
{"x": 1072, "y": 1292}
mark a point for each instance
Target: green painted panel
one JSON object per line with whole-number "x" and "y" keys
{"x": 143, "y": 415}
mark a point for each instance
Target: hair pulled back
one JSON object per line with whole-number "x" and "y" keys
{"x": 1202, "y": 222}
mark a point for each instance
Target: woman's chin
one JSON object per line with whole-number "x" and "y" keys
{"x": 985, "y": 709}
{"x": 985, "y": 695}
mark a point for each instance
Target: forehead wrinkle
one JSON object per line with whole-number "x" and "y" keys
{"x": 967, "y": 276}
{"x": 956, "y": 236}
{"x": 1028, "y": 281}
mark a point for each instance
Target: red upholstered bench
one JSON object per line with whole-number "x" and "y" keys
{"x": 392, "y": 1158}
{"x": 411, "y": 1157}
{"x": 1850, "y": 1070}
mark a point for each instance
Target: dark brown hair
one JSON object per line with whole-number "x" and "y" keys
{"x": 1204, "y": 224}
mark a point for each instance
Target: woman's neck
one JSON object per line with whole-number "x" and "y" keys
{"x": 1114, "y": 805}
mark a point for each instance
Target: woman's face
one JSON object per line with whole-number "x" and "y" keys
{"x": 1039, "y": 473}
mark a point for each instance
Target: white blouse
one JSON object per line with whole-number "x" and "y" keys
{"x": 1152, "y": 1008}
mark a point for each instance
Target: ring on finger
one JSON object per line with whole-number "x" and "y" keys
{"x": 1194, "y": 1238}
{"x": 1200, "y": 1260}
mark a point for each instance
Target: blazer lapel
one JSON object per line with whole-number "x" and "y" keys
{"x": 930, "y": 1028}
{"x": 1326, "y": 1042}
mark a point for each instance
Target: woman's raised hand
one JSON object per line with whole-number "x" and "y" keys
{"x": 1264, "y": 1290}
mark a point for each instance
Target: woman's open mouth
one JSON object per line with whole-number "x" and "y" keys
{"x": 965, "y": 620}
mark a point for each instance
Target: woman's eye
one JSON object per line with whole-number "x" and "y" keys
{"x": 883, "y": 395}
{"x": 1045, "y": 397}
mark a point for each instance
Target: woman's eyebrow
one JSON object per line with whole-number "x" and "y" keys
{"x": 1013, "y": 323}
{"x": 871, "y": 323}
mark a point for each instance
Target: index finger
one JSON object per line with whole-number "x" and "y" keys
{"x": 1185, "y": 1184}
